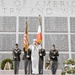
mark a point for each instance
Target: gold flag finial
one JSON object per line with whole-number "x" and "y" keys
{"x": 26, "y": 25}
{"x": 26, "y": 17}
{"x": 26, "y": 20}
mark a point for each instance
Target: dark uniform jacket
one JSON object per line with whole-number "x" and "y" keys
{"x": 16, "y": 54}
{"x": 42, "y": 53}
{"x": 53, "y": 55}
{"x": 27, "y": 54}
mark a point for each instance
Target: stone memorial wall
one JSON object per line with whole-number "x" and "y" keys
{"x": 58, "y": 26}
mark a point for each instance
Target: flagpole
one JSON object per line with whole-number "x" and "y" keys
{"x": 26, "y": 36}
{"x": 27, "y": 31}
{"x": 40, "y": 21}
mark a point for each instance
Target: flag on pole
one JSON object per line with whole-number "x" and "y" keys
{"x": 39, "y": 35}
{"x": 26, "y": 36}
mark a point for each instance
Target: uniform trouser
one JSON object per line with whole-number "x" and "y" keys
{"x": 54, "y": 67}
{"x": 35, "y": 65}
{"x": 27, "y": 66}
{"x": 16, "y": 67}
{"x": 40, "y": 66}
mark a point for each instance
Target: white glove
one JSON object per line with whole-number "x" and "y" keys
{"x": 27, "y": 56}
{"x": 40, "y": 54}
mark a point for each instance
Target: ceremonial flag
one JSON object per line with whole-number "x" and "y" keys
{"x": 26, "y": 37}
{"x": 39, "y": 35}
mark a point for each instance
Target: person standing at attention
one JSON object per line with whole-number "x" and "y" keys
{"x": 53, "y": 54}
{"x": 16, "y": 58}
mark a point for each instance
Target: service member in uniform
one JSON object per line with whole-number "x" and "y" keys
{"x": 35, "y": 56}
{"x": 41, "y": 59}
{"x": 27, "y": 61}
{"x": 54, "y": 58}
{"x": 16, "y": 59}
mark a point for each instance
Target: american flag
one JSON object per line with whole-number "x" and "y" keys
{"x": 26, "y": 36}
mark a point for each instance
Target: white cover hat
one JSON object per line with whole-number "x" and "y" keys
{"x": 34, "y": 40}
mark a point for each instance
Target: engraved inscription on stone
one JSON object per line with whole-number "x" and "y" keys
{"x": 4, "y": 56}
{"x": 72, "y": 24}
{"x": 56, "y": 24}
{"x": 7, "y": 24}
{"x": 7, "y": 41}
{"x": 61, "y": 59}
{"x": 22, "y": 62}
{"x": 30, "y": 39}
{"x": 73, "y": 43}
{"x": 73, "y": 56}
{"x": 61, "y": 42}
{"x": 33, "y": 23}
{"x": 47, "y": 57}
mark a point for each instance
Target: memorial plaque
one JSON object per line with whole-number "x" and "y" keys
{"x": 72, "y": 24}
{"x": 56, "y": 24}
{"x": 60, "y": 41}
{"x": 7, "y": 24}
{"x": 73, "y": 43}
{"x": 30, "y": 39}
{"x": 7, "y": 41}
{"x": 33, "y": 23}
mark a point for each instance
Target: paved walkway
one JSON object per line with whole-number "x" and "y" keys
{"x": 21, "y": 72}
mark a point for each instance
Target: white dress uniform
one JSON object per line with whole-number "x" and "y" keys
{"x": 35, "y": 58}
